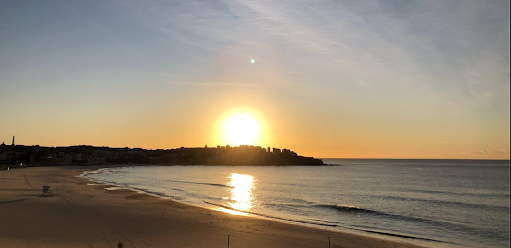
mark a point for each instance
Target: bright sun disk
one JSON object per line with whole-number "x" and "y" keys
{"x": 241, "y": 130}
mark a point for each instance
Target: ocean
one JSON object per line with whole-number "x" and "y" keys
{"x": 435, "y": 203}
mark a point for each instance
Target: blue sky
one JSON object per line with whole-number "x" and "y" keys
{"x": 331, "y": 78}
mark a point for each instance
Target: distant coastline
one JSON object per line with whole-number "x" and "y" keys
{"x": 21, "y": 156}
{"x": 417, "y": 159}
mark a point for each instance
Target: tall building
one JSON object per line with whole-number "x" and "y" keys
{"x": 13, "y": 140}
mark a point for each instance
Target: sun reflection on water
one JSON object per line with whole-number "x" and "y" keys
{"x": 241, "y": 197}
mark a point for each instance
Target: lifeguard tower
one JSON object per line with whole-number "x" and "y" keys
{"x": 46, "y": 191}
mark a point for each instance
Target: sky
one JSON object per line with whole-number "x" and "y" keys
{"x": 330, "y": 79}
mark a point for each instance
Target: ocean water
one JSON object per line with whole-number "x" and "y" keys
{"x": 436, "y": 203}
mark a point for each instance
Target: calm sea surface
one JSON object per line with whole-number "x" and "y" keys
{"x": 437, "y": 203}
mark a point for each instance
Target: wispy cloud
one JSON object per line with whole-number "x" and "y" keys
{"x": 211, "y": 84}
{"x": 486, "y": 152}
{"x": 455, "y": 51}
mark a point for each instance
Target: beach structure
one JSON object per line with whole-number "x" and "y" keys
{"x": 46, "y": 190}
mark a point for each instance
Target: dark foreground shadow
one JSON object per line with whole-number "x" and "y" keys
{"x": 13, "y": 201}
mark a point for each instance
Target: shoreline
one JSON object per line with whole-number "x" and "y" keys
{"x": 82, "y": 215}
{"x": 390, "y": 236}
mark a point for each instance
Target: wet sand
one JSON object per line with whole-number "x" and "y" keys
{"x": 82, "y": 215}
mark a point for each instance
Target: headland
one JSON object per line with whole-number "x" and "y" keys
{"x": 16, "y": 155}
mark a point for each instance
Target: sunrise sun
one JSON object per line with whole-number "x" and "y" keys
{"x": 241, "y": 129}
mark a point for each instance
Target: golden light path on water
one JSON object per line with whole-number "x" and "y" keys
{"x": 241, "y": 194}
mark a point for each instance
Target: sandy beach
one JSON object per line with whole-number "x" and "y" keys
{"x": 81, "y": 215}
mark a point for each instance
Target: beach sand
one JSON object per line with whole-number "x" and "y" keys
{"x": 82, "y": 215}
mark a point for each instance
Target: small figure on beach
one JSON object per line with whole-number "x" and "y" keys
{"x": 119, "y": 245}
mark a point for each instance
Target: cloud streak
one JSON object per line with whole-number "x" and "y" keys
{"x": 486, "y": 152}
{"x": 455, "y": 50}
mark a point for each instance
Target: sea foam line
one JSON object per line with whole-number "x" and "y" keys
{"x": 324, "y": 224}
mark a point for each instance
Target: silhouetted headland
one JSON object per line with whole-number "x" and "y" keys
{"x": 20, "y": 155}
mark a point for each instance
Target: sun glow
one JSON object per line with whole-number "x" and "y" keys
{"x": 241, "y": 129}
